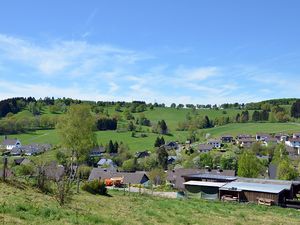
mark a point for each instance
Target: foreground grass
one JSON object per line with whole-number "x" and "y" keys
{"x": 28, "y": 206}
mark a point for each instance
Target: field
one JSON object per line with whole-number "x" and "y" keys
{"x": 172, "y": 116}
{"x": 252, "y": 128}
{"x": 18, "y": 206}
{"x": 139, "y": 143}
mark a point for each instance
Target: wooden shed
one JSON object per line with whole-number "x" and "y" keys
{"x": 255, "y": 192}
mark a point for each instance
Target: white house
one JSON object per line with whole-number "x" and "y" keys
{"x": 215, "y": 143}
{"x": 262, "y": 137}
{"x": 293, "y": 142}
{"x": 9, "y": 144}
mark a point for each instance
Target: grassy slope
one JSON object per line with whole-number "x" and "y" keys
{"x": 172, "y": 117}
{"x": 252, "y": 128}
{"x": 31, "y": 207}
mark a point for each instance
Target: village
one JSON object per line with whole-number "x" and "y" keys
{"x": 207, "y": 183}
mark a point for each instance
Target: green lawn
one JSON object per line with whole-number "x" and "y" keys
{"x": 27, "y": 206}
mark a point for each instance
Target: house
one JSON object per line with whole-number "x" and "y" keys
{"x": 243, "y": 136}
{"x": 21, "y": 161}
{"x": 53, "y": 171}
{"x": 106, "y": 163}
{"x": 296, "y": 135}
{"x": 281, "y": 137}
{"x": 175, "y": 176}
{"x": 9, "y": 144}
{"x": 138, "y": 177}
{"x": 227, "y": 138}
{"x": 171, "y": 145}
{"x": 246, "y": 142}
{"x": 97, "y": 152}
{"x": 262, "y": 136}
{"x": 141, "y": 155}
{"x": 15, "y": 151}
{"x": 293, "y": 142}
{"x": 215, "y": 143}
{"x": 204, "y": 148}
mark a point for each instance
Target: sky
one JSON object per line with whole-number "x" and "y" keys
{"x": 195, "y": 51}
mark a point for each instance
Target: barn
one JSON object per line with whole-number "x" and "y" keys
{"x": 274, "y": 194}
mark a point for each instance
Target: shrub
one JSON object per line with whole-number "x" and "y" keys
{"x": 84, "y": 172}
{"x": 95, "y": 187}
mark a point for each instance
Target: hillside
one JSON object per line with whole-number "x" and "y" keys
{"x": 18, "y": 206}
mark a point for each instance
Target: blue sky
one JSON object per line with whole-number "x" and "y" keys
{"x": 196, "y": 51}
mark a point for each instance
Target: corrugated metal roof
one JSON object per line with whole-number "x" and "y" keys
{"x": 203, "y": 183}
{"x": 245, "y": 186}
{"x": 212, "y": 176}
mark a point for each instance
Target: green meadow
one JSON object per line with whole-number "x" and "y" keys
{"x": 172, "y": 116}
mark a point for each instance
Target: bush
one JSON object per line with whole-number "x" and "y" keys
{"x": 95, "y": 187}
{"x": 84, "y": 172}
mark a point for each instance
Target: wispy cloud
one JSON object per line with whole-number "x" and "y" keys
{"x": 70, "y": 57}
{"x": 79, "y": 69}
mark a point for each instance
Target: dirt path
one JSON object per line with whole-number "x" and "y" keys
{"x": 147, "y": 191}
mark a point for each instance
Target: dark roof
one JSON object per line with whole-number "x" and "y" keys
{"x": 294, "y": 139}
{"x": 271, "y": 139}
{"x": 54, "y": 171}
{"x": 240, "y": 136}
{"x": 10, "y": 141}
{"x": 97, "y": 150}
{"x": 133, "y": 178}
{"x": 142, "y": 154}
{"x": 176, "y": 176}
{"x": 227, "y": 175}
{"x": 204, "y": 147}
{"x": 247, "y": 140}
{"x": 20, "y": 161}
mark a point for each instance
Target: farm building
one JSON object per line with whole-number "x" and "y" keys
{"x": 203, "y": 189}
{"x": 254, "y": 192}
{"x": 206, "y": 185}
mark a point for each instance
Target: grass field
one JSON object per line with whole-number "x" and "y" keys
{"x": 146, "y": 143}
{"x": 28, "y": 206}
{"x": 252, "y": 128}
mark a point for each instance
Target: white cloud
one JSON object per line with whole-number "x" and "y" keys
{"x": 197, "y": 74}
{"x": 75, "y": 58}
